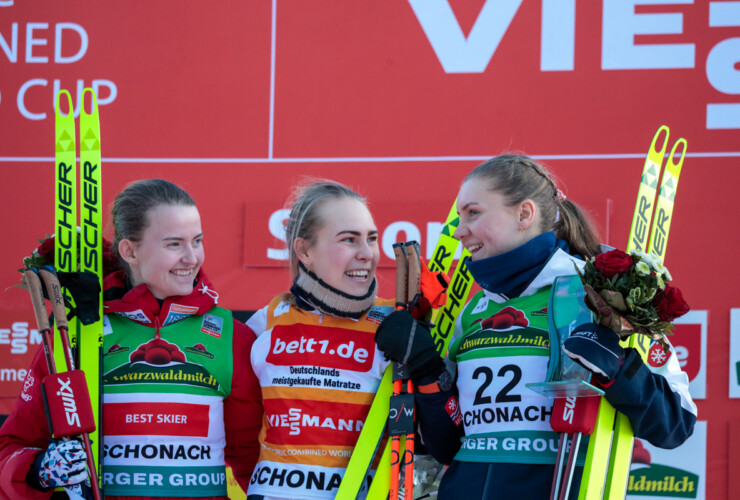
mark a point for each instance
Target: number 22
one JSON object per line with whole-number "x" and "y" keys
{"x": 503, "y": 396}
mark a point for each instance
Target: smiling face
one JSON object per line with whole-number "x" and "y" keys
{"x": 488, "y": 226}
{"x": 344, "y": 252}
{"x": 170, "y": 252}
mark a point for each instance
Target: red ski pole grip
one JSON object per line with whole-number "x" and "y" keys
{"x": 68, "y": 403}
{"x": 574, "y": 414}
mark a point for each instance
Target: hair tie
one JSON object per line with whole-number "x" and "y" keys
{"x": 560, "y": 195}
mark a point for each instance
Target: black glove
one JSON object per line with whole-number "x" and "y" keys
{"x": 597, "y": 349}
{"x": 404, "y": 340}
{"x": 85, "y": 290}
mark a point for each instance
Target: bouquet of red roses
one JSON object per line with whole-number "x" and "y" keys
{"x": 44, "y": 255}
{"x": 631, "y": 293}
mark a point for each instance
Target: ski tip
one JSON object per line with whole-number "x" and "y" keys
{"x": 663, "y": 129}
{"x": 93, "y": 102}
{"x": 57, "y": 108}
{"x": 683, "y": 144}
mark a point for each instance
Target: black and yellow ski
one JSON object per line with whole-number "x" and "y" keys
{"x": 79, "y": 240}
{"x": 609, "y": 453}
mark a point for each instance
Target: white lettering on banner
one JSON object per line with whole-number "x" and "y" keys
{"x": 6, "y": 3}
{"x": 721, "y": 67}
{"x": 389, "y": 236}
{"x": 12, "y": 375}
{"x": 31, "y": 41}
{"x": 276, "y": 224}
{"x": 34, "y": 38}
{"x": 19, "y": 336}
{"x": 59, "y": 29}
{"x": 97, "y": 85}
{"x": 11, "y": 51}
{"x": 456, "y": 53}
{"x": 557, "y": 45}
{"x": 620, "y": 25}
{"x": 682, "y": 355}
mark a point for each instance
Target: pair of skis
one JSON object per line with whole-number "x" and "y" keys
{"x": 610, "y": 447}
{"x": 443, "y": 319}
{"x": 78, "y": 201}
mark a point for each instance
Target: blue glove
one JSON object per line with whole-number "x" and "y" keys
{"x": 63, "y": 464}
{"x": 597, "y": 349}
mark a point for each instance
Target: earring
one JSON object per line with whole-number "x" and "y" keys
{"x": 521, "y": 228}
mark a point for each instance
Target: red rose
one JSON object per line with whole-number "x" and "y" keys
{"x": 670, "y": 303}
{"x": 46, "y": 249}
{"x": 612, "y": 262}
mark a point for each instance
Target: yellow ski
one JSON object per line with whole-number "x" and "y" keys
{"x": 65, "y": 204}
{"x": 621, "y": 450}
{"x": 610, "y": 446}
{"x": 90, "y": 341}
{"x": 444, "y": 321}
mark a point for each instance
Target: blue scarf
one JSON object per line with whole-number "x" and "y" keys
{"x": 511, "y": 272}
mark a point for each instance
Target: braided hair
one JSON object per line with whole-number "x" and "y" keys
{"x": 518, "y": 178}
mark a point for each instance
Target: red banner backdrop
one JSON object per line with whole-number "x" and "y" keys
{"x": 240, "y": 101}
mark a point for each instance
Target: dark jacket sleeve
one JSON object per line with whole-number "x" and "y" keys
{"x": 657, "y": 403}
{"x": 440, "y": 423}
{"x": 24, "y": 435}
{"x": 243, "y": 409}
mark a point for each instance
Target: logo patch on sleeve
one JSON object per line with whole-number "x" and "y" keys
{"x": 657, "y": 357}
{"x": 453, "y": 410}
{"x": 212, "y": 325}
{"x": 377, "y": 314}
{"x": 137, "y": 315}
